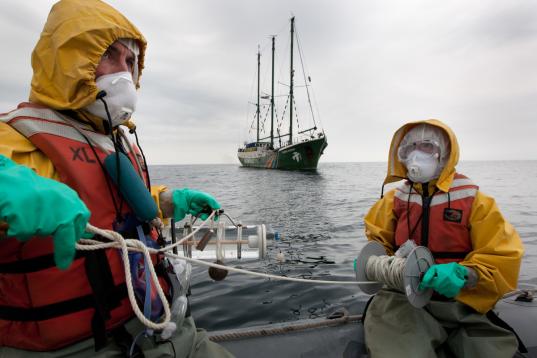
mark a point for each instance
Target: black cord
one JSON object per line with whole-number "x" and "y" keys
{"x": 208, "y": 210}
{"x": 171, "y": 343}
{"x": 382, "y": 191}
{"x": 101, "y": 96}
{"x": 143, "y": 156}
{"x": 411, "y": 232}
{"x": 408, "y": 210}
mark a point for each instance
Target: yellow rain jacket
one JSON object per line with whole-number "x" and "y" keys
{"x": 497, "y": 248}
{"x": 75, "y": 36}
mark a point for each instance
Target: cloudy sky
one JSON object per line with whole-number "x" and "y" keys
{"x": 374, "y": 66}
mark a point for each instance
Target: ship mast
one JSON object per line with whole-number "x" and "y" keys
{"x": 258, "y": 74}
{"x": 291, "y": 74}
{"x": 272, "y": 98}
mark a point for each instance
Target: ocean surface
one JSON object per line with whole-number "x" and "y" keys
{"x": 319, "y": 216}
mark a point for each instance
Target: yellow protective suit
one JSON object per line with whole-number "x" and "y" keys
{"x": 497, "y": 248}
{"x": 64, "y": 63}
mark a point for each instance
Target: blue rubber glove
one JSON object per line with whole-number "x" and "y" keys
{"x": 36, "y": 206}
{"x": 446, "y": 279}
{"x": 187, "y": 201}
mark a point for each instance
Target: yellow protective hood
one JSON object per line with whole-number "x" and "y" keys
{"x": 396, "y": 169}
{"x": 75, "y": 36}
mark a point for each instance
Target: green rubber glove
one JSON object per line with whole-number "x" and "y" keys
{"x": 187, "y": 201}
{"x": 446, "y": 279}
{"x": 36, "y": 206}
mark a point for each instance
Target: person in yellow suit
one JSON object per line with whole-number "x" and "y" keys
{"x": 477, "y": 253}
{"x": 67, "y": 159}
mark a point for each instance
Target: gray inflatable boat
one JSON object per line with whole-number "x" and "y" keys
{"x": 341, "y": 334}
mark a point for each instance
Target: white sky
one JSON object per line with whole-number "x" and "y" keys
{"x": 374, "y": 66}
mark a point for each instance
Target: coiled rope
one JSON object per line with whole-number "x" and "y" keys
{"x": 386, "y": 269}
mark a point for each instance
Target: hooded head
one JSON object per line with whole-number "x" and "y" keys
{"x": 441, "y": 146}
{"x": 75, "y": 37}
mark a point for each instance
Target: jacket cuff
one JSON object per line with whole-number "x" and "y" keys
{"x": 156, "y": 190}
{"x": 471, "y": 280}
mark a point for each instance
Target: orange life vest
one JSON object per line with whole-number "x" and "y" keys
{"x": 41, "y": 307}
{"x": 439, "y": 222}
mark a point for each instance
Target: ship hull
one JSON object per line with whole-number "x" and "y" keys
{"x": 298, "y": 156}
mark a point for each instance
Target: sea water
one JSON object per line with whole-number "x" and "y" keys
{"x": 319, "y": 218}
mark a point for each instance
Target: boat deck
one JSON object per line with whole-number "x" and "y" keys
{"x": 343, "y": 336}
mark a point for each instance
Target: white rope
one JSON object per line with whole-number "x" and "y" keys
{"x": 97, "y": 245}
{"x": 125, "y": 245}
{"x": 386, "y": 269}
{"x": 266, "y": 275}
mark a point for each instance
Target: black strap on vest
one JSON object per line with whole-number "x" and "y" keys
{"x": 33, "y": 264}
{"x": 493, "y": 317}
{"x": 101, "y": 281}
{"x": 450, "y": 255}
{"x": 104, "y": 298}
{"x": 42, "y": 313}
{"x": 105, "y": 295}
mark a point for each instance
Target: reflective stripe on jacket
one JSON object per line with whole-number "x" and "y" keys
{"x": 443, "y": 220}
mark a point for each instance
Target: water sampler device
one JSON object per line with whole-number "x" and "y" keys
{"x": 219, "y": 242}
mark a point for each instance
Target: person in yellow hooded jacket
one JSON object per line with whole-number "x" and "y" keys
{"x": 65, "y": 157}
{"x": 477, "y": 253}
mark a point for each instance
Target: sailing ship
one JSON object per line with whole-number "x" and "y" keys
{"x": 300, "y": 151}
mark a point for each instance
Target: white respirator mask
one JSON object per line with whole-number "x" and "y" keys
{"x": 421, "y": 167}
{"x": 120, "y": 97}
